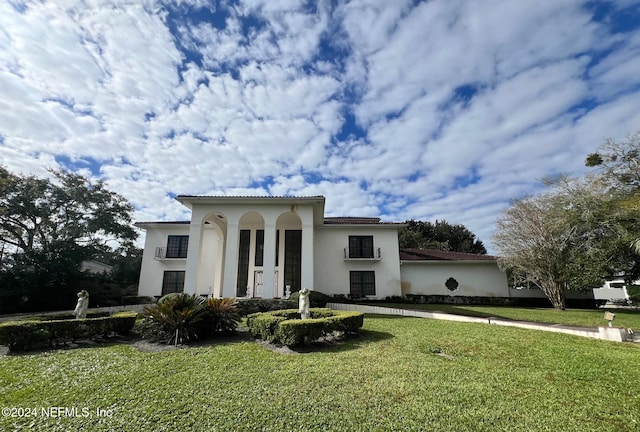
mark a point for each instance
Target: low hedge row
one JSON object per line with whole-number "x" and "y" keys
{"x": 23, "y": 335}
{"x": 250, "y": 306}
{"x": 286, "y": 327}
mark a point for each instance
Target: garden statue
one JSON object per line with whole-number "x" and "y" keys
{"x": 303, "y": 303}
{"x": 83, "y": 304}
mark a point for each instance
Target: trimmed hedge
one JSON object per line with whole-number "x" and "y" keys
{"x": 251, "y": 306}
{"x": 317, "y": 299}
{"x": 23, "y": 335}
{"x": 286, "y": 327}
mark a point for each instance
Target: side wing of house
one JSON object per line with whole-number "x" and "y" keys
{"x": 357, "y": 257}
{"x": 429, "y": 272}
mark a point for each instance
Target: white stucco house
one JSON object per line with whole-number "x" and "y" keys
{"x": 268, "y": 247}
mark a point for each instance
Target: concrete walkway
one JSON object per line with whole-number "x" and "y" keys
{"x": 616, "y": 334}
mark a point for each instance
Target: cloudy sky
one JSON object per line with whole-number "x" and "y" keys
{"x": 441, "y": 109}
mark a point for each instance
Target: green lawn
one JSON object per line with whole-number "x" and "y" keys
{"x": 401, "y": 374}
{"x": 627, "y": 318}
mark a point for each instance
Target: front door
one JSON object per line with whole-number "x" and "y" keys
{"x": 258, "y": 283}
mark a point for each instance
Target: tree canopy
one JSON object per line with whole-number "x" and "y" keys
{"x": 49, "y": 226}
{"x": 440, "y": 235}
{"x": 578, "y": 232}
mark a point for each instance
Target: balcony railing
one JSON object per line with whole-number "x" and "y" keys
{"x": 161, "y": 255}
{"x": 362, "y": 254}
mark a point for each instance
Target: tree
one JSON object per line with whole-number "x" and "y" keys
{"x": 569, "y": 237}
{"x": 619, "y": 166}
{"x": 619, "y": 162}
{"x": 49, "y": 226}
{"x": 440, "y": 235}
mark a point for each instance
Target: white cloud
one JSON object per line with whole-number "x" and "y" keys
{"x": 461, "y": 105}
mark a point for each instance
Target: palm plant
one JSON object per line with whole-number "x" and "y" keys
{"x": 223, "y": 314}
{"x": 176, "y": 318}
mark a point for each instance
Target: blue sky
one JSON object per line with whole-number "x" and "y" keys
{"x": 444, "y": 109}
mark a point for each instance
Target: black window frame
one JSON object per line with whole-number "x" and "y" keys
{"x": 361, "y": 246}
{"x": 362, "y": 283}
{"x": 173, "y": 281}
{"x": 177, "y": 246}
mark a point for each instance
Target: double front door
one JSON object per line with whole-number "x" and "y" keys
{"x": 250, "y": 280}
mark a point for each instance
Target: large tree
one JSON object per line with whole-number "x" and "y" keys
{"x": 572, "y": 236}
{"x": 440, "y": 235}
{"x": 49, "y": 226}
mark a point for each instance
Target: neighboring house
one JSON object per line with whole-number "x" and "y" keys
{"x": 95, "y": 267}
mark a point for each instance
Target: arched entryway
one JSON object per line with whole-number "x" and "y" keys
{"x": 288, "y": 254}
{"x": 250, "y": 277}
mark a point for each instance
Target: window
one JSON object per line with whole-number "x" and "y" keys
{"x": 177, "y": 246}
{"x": 172, "y": 282}
{"x": 451, "y": 284}
{"x": 243, "y": 263}
{"x": 259, "y": 258}
{"x": 362, "y": 283}
{"x": 293, "y": 259}
{"x": 360, "y": 246}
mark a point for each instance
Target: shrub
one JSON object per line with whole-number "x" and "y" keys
{"x": 264, "y": 325}
{"x": 316, "y": 299}
{"x": 287, "y": 328}
{"x": 634, "y": 293}
{"x": 223, "y": 315}
{"x": 23, "y": 335}
{"x": 250, "y": 306}
{"x": 176, "y": 318}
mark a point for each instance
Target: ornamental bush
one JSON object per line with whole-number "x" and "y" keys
{"x": 180, "y": 318}
{"x": 250, "y": 306}
{"x": 176, "y": 318}
{"x": 223, "y": 315}
{"x": 286, "y": 327}
{"x": 316, "y": 299}
{"x": 23, "y": 335}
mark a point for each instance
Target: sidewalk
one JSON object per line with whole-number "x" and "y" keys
{"x": 615, "y": 334}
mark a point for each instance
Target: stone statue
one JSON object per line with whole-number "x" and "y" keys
{"x": 83, "y": 304}
{"x": 303, "y": 303}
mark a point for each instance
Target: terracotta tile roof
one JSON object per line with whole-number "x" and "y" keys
{"x": 413, "y": 254}
{"x": 346, "y": 220}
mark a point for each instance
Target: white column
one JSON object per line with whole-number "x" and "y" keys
{"x": 193, "y": 258}
{"x": 217, "y": 284}
{"x": 230, "y": 261}
{"x": 269, "y": 259}
{"x": 307, "y": 256}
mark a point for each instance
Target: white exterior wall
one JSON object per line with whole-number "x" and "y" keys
{"x": 332, "y": 270}
{"x": 206, "y": 281}
{"x": 152, "y": 270}
{"x": 479, "y": 278}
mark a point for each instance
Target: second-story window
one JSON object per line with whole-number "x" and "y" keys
{"x": 177, "y": 246}
{"x": 360, "y": 246}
